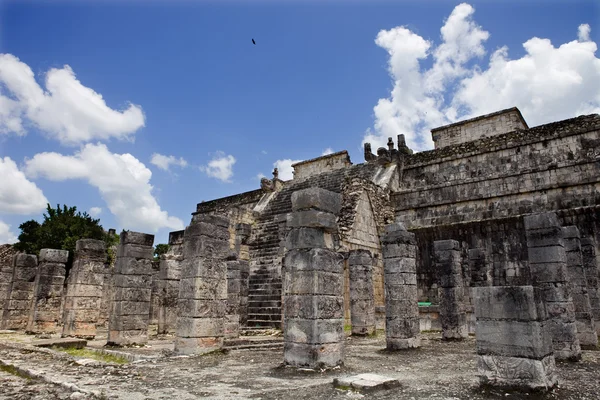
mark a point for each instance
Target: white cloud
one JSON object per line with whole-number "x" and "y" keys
{"x": 260, "y": 176}
{"x": 164, "y": 162}
{"x": 123, "y": 182}
{"x": 6, "y": 236}
{"x": 327, "y": 151}
{"x": 18, "y": 195}
{"x": 66, "y": 110}
{"x": 220, "y": 167}
{"x": 95, "y": 211}
{"x": 284, "y": 167}
{"x": 547, "y": 84}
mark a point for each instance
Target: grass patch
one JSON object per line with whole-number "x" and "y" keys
{"x": 13, "y": 371}
{"x": 94, "y": 355}
{"x": 347, "y": 328}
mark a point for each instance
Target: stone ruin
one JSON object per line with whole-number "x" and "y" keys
{"x": 492, "y": 233}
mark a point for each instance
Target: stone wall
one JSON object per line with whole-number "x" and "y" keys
{"x": 330, "y": 162}
{"x": 484, "y": 126}
{"x": 18, "y": 299}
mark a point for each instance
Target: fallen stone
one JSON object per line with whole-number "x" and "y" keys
{"x": 366, "y": 382}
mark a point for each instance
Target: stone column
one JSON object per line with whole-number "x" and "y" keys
{"x": 169, "y": 276}
{"x": 362, "y": 294}
{"x": 6, "y": 275}
{"x": 451, "y": 291}
{"x": 232, "y": 313}
{"x": 18, "y": 300}
{"x": 45, "y": 316}
{"x": 400, "y": 279}
{"x": 203, "y": 285}
{"x": 130, "y": 303}
{"x": 586, "y": 331}
{"x": 514, "y": 345}
{"x": 84, "y": 289}
{"x": 244, "y": 290}
{"x": 313, "y": 300}
{"x": 481, "y": 271}
{"x": 548, "y": 266}
{"x": 588, "y": 252}
{"x": 107, "y": 288}
{"x": 154, "y": 294}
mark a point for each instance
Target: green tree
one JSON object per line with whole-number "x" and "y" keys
{"x": 160, "y": 249}
{"x": 61, "y": 229}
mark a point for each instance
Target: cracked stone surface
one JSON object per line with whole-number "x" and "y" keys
{"x": 439, "y": 370}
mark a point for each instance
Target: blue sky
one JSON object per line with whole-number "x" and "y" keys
{"x": 197, "y": 89}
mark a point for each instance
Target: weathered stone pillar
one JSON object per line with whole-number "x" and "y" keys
{"x": 588, "y": 252}
{"x": 400, "y": 279}
{"x": 169, "y": 276}
{"x": 451, "y": 291}
{"x": 362, "y": 294}
{"x": 107, "y": 288}
{"x": 548, "y": 266}
{"x": 481, "y": 271}
{"x": 586, "y": 331}
{"x": 232, "y": 313}
{"x": 244, "y": 290}
{"x": 155, "y": 293}
{"x": 18, "y": 300}
{"x": 130, "y": 305}
{"x": 313, "y": 301}
{"x": 514, "y": 345}
{"x": 45, "y": 316}
{"x": 84, "y": 289}
{"x": 203, "y": 285}
{"x": 6, "y": 275}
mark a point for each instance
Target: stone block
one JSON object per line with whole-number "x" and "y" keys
{"x": 170, "y": 269}
{"x": 451, "y": 280}
{"x": 132, "y": 266}
{"x": 81, "y": 290}
{"x": 306, "y": 238}
{"x": 541, "y": 220}
{"x": 133, "y": 281}
{"x": 402, "y": 327}
{"x": 217, "y": 220}
{"x": 360, "y": 257}
{"x": 131, "y": 294}
{"x": 201, "y": 308}
{"x": 550, "y": 272}
{"x": 137, "y": 238}
{"x": 399, "y": 237}
{"x": 549, "y": 236}
{"x": 316, "y": 198}
{"x": 24, "y": 274}
{"x": 314, "y": 260}
{"x": 82, "y": 303}
{"x": 395, "y": 250}
{"x": 128, "y": 322}
{"x": 401, "y": 308}
{"x": 135, "y": 251}
{"x": 529, "y": 339}
{"x": 127, "y": 338}
{"x": 393, "y": 343}
{"x": 313, "y": 331}
{"x": 519, "y": 303}
{"x": 313, "y": 307}
{"x": 91, "y": 246}
{"x": 400, "y": 265}
{"x": 517, "y": 372}
{"x": 200, "y": 327}
{"x": 203, "y": 289}
{"x": 86, "y": 278}
{"x": 25, "y": 261}
{"x": 366, "y": 383}
{"x": 549, "y": 254}
{"x": 312, "y": 219}
{"x": 204, "y": 246}
{"x": 53, "y": 256}
{"x": 445, "y": 245}
{"x": 303, "y": 355}
{"x": 122, "y": 308}
{"x": 49, "y": 270}
{"x": 400, "y": 291}
{"x": 313, "y": 282}
{"x": 197, "y": 345}
{"x": 201, "y": 267}
{"x": 209, "y": 230}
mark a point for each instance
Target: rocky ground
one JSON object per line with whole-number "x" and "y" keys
{"x": 439, "y": 370}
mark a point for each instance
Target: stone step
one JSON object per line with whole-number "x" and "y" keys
{"x": 257, "y": 323}
{"x": 263, "y": 297}
{"x": 264, "y": 317}
{"x": 257, "y": 346}
{"x": 264, "y": 304}
{"x": 264, "y": 310}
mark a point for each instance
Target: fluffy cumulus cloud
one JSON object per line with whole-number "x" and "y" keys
{"x": 548, "y": 83}
{"x": 284, "y": 167}
{"x": 18, "y": 195}
{"x": 165, "y": 162}
{"x": 220, "y": 167}
{"x": 123, "y": 182}
{"x": 95, "y": 211}
{"x": 66, "y": 109}
{"x": 6, "y": 236}
{"x": 327, "y": 151}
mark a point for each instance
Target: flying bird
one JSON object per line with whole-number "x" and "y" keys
{"x": 253, "y": 42}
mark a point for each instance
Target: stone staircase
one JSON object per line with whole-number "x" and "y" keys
{"x": 266, "y": 247}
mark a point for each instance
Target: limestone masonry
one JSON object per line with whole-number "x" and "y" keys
{"x": 495, "y": 231}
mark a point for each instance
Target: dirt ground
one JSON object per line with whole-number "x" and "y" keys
{"x": 438, "y": 370}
